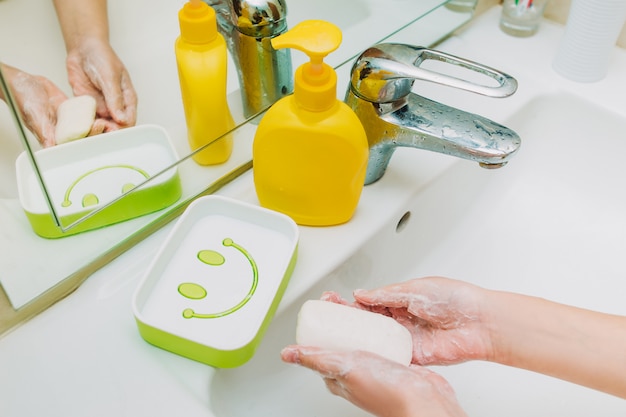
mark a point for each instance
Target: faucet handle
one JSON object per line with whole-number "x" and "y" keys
{"x": 385, "y": 73}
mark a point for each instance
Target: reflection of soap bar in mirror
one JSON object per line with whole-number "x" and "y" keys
{"x": 75, "y": 116}
{"x": 339, "y": 327}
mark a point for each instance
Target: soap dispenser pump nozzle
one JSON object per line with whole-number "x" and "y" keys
{"x": 315, "y": 83}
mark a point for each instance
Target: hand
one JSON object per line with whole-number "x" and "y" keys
{"x": 377, "y": 385}
{"x": 447, "y": 318}
{"x": 93, "y": 68}
{"x": 37, "y": 99}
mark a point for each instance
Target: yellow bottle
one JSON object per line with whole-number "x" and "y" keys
{"x": 310, "y": 150}
{"x": 201, "y": 58}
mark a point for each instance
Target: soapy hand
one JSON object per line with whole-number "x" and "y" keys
{"x": 443, "y": 315}
{"x": 377, "y": 385}
{"x": 94, "y": 69}
{"x": 37, "y": 99}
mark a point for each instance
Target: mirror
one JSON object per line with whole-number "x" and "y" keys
{"x": 35, "y": 272}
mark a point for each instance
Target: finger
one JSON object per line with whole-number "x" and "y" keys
{"x": 130, "y": 101}
{"x": 331, "y": 364}
{"x": 114, "y": 101}
{"x": 121, "y": 99}
{"x": 395, "y": 295}
{"x": 425, "y": 298}
{"x": 334, "y": 297}
{"x": 99, "y": 126}
{"x": 110, "y": 126}
{"x": 41, "y": 122}
{"x": 290, "y": 354}
{"x": 47, "y": 138}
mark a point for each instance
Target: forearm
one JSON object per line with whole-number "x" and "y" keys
{"x": 81, "y": 20}
{"x": 573, "y": 344}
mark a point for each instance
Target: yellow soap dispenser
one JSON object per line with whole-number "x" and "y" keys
{"x": 201, "y": 58}
{"x": 310, "y": 150}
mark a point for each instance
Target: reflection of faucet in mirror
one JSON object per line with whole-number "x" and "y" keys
{"x": 248, "y": 26}
{"x": 380, "y": 94}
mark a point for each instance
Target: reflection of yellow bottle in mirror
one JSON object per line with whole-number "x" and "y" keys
{"x": 310, "y": 150}
{"x": 201, "y": 58}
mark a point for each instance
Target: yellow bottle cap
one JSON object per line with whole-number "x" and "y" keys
{"x": 197, "y": 22}
{"x": 315, "y": 83}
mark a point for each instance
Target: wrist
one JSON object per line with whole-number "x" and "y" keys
{"x": 81, "y": 20}
{"x": 524, "y": 329}
{"x": 499, "y": 324}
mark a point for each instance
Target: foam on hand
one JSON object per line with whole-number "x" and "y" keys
{"x": 339, "y": 327}
{"x": 75, "y": 116}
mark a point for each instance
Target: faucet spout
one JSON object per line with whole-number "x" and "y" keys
{"x": 264, "y": 73}
{"x": 392, "y": 115}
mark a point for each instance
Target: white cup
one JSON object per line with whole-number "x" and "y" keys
{"x": 522, "y": 17}
{"x": 591, "y": 32}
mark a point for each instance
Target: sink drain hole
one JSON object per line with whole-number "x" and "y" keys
{"x": 404, "y": 220}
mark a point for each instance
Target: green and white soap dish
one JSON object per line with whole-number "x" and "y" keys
{"x": 215, "y": 284}
{"x": 88, "y": 174}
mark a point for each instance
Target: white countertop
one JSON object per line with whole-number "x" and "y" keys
{"x": 84, "y": 355}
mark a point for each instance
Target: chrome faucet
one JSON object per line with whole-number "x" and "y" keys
{"x": 380, "y": 94}
{"x": 265, "y": 74}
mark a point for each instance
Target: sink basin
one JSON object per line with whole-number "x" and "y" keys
{"x": 552, "y": 224}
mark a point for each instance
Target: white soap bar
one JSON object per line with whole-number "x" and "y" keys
{"x": 339, "y": 327}
{"x": 75, "y": 116}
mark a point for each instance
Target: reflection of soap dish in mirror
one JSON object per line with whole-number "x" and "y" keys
{"x": 85, "y": 175}
{"x": 216, "y": 282}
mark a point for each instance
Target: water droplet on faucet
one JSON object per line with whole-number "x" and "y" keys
{"x": 485, "y": 128}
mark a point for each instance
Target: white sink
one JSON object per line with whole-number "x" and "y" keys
{"x": 552, "y": 223}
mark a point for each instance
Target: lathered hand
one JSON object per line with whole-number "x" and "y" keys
{"x": 379, "y": 386}
{"x": 94, "y": 69}
{"x": 37, "y": 99}
{"x": 443, "y": 315}
{"x": 453, "y": 321}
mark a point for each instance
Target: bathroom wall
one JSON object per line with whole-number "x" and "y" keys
{"x": 556, "y": 10}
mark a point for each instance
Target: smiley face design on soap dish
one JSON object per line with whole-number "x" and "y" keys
{"x": 213, "y": 258}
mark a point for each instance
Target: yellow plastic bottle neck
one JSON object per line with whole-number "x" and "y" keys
{"x": 198, "y": 24}
{"x": 315, "y": 86}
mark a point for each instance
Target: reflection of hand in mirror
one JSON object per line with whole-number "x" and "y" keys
{"x": 37, "y": 99}
{"x": 93, "y": 66}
